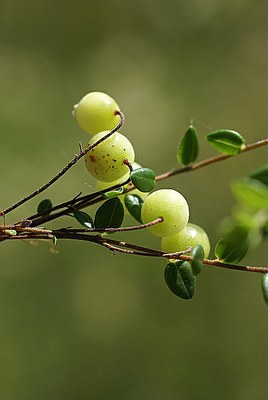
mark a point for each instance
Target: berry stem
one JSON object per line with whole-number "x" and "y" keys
{"x": 128, "y": 164}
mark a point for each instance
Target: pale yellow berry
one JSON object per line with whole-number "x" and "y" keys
{"x": 106, "y": 161}
{"x": 169, "y": 204}
{"x": 96, "y": 112}
{"x": 191, "y": 235}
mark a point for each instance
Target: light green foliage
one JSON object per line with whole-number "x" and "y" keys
{"x": 226, "y": 141}
{"x": 246, "y": 228}
{"x": 261, "y": 174}
{"x": 191, "y": 235}
{"x": 96, "y": 112}
{"x": 251, "y": 193}
{"x": 264, "y": 286}
{"x": 143, "y": 179}
{"x": 106, "y": 161}
{"x": 233, "y": 246}
{"x": 170, "y": 205}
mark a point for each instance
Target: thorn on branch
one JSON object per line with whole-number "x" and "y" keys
{"x": 80, "y": 148}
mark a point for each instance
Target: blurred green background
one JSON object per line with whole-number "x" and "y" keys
{"x": 84, "y": 324}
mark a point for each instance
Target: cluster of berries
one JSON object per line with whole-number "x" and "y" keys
{"x": 97, "y": 113}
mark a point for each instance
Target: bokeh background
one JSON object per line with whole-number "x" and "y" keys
{"x": 84, "y": 324}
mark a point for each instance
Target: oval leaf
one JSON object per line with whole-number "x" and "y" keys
{"x": 180, "y": 279}
{"x": 143, "y": 179}
{"x": 261, "y": 174}
{"x": 198, "y": 252}
{"x": 83, "y": 218}
{"x": 110, "y": 214}
{"x": 264, "y": 286}
{"x": 251, "y": 192}
{"x": 134, "y": 204}
{"x": 226, "y": 141}
{"x": 189, "y": 147}
{"x": 44, "y": 207}
{"x": 197, "y": 266}
{"x": 233, "y": 246}
{"x": 198, "y": 256}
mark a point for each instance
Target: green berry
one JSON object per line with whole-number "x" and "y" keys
{"x": 191, "y": 235}
{"x": 96, "y": 112}
{"x": 170, "y": 205}
{"x": 106, "y": 161}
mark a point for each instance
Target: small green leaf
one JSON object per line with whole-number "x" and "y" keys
{"x": 198, "y": 256}
{"x": 10, "y": 232}
{"x": 196, "y": 266}
{"x": 189, "y": 147}
{"x": 114, "y": 193}
{"x": 251, "y": 192}
{"x": 83, "y": 218}
{"x": 261, "y": 174}
{"x": 143, "y": 179}
{"x": 44, "y": 207}
{"x": 233, "y": 246}
{"x": 133, "y": 203}
{"x": 180, "y": 279}
{"x": 110, "y": 214}
{"x": 226, "y": 141}
{"x": 198, "y": 252}
{"x": 264, "y": 286}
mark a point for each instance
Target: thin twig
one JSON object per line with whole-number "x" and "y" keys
{"x": 76, "y": 158}
{"x": 129, "y": 248}
{"x": 114, "y": 230}
{"x": 211, "y": 160}
{"x": 77, "y": 203}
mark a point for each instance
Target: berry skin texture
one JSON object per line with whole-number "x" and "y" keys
{"x": 191, "y": 235}
{"x": 103, "y": 185}
{"x": 170, "y": 205}
{"x": 106, "y": 161}
{"x": 96, "y": 112}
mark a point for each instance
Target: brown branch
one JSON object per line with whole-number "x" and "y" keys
{"x": 127, "y": 248}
